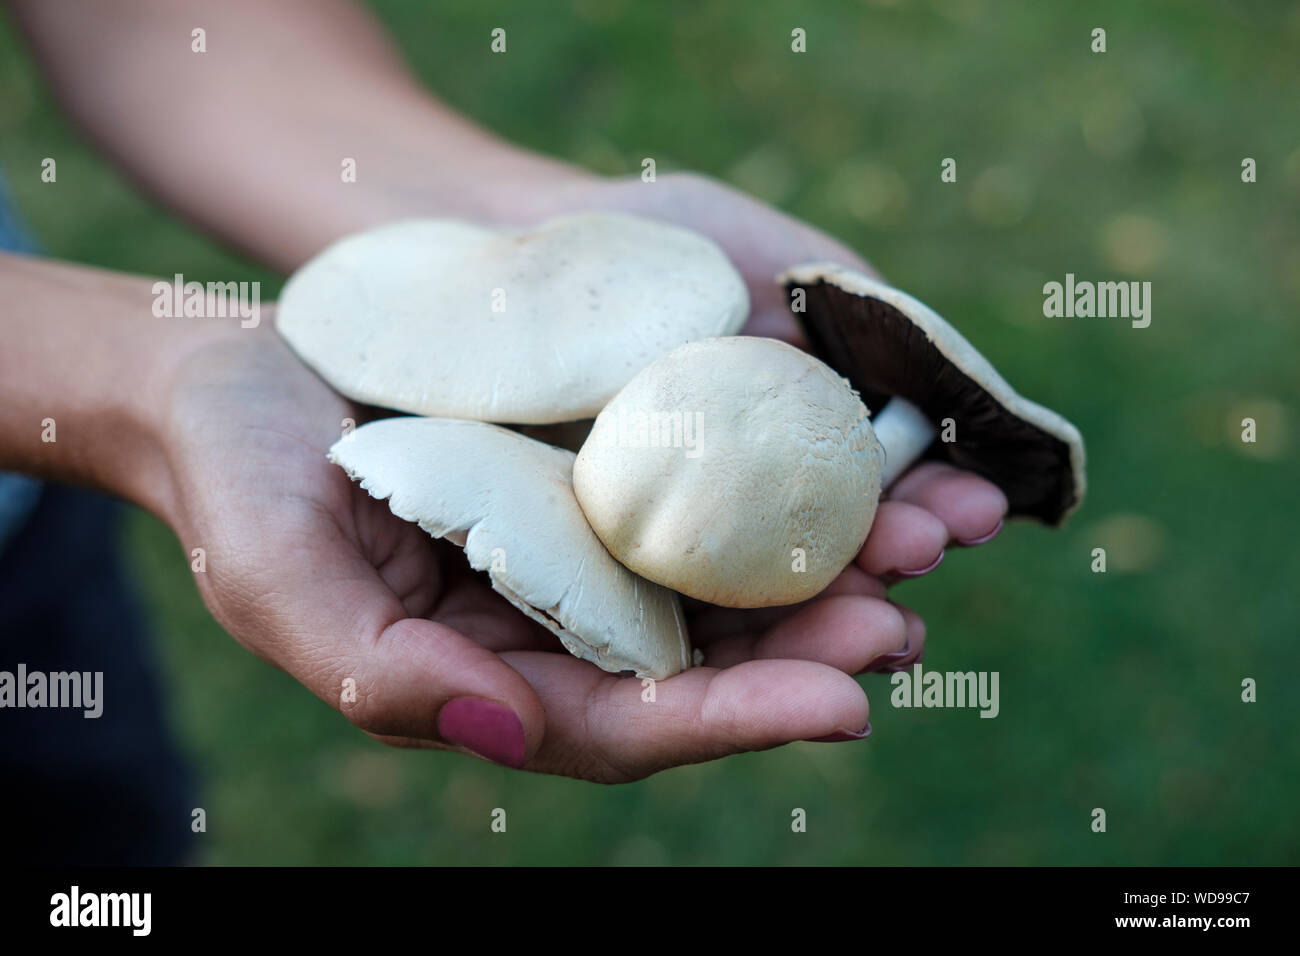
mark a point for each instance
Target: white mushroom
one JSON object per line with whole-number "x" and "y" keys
{"x": 508, "y": 501}
{"x": 740, "y": 471}
{"x": 533, "y": 326}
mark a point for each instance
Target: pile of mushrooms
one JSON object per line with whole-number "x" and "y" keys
{"x": 736, "y": 470}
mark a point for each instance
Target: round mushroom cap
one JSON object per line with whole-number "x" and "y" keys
{"x": 508, "y": 501}
{"x": 887, "y": 344}
{"x": 532, "y": 326}
{"x": 740, "y": 471}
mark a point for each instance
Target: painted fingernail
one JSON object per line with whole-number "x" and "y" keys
{"x": 916, "y": 574}
{"x": 841, "y": 735}
{"x": 491, "y": 730}
{"x": 971, "y": 542}
{"x": 889, "y": 661}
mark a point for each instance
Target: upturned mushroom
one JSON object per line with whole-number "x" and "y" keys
{"x": 784, "y": 485}
{"x": 919, "y": 371}
{"x": 531, "y": 326}
{"x": 507, "y": 500}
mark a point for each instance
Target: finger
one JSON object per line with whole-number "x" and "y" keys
{"x": 425, "y": 680}
{"x": 604, "y": 728}
{"x": 848, "y": 633}
{"x": 709, "y": 623}
{"x": 312, "y": 604}
{"x": 854, "y": 581}
{"x": 771, "y": 318}
{"x": 905, "y": 540}
{"x": 970, "y": 507}
{"x": 913, "y": 649}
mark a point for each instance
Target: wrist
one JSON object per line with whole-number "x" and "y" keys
{"x": 85, "y": 377}
{"x": 175, "y": 352}
{"x": 128, "y": 418}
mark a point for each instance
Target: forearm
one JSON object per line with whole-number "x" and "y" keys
{"x": 249, "y": 139}
{"x": 83, "y": 387}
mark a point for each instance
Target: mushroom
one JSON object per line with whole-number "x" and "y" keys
{"x": 507, "y": 500}
{"x": 531, "y": 326}
{"x": 776, "y": 490}
{"x": 918, "y": 370}
{"x": 740, "y": 471}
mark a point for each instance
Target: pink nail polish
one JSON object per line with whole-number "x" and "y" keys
{"x": 889, "y": 661}
{"x": 842, "y": 735}
{"x": 916, "y": 574}
{"x": 491, "y": 730}
{"x": 971, "y": 542}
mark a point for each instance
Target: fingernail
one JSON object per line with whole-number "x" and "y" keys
{"x": 491, "y": 730}
{"x": 841, "y": 735}
{"x": 888, "y": 661}
{"x": 971, "y": 542}
{"x": 916, "y": 574}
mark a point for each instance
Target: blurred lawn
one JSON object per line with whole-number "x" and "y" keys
{"x": 1119, "y": 690}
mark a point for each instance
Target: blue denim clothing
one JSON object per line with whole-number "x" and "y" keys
{"x": 18, "y": 493}
{"x": 18, "y": 496}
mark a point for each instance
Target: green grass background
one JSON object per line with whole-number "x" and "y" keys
{"x": 1119, "y": 690}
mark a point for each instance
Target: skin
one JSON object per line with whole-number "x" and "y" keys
{"x": 222, "y": 432}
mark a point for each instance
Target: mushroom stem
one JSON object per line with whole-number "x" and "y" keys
{"x": 904, "y": 433}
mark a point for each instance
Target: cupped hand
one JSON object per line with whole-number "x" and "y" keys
{"x": 396, "y": 632}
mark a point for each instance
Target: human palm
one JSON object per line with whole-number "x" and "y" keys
{"x": 391, "y": 627}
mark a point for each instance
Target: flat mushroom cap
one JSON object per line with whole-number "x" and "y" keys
{"x": 888, "y": 344}
{"x": 740, "y": 471}
{"x": 508, "y": 501}
{"x": 447, "y": 319}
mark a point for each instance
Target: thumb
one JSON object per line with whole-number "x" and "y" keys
{"x": 329, "y": 620}
{"x": 424, "y": 681}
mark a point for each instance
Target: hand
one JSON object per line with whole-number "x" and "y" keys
{"x": 314, "y": 576}
{"x": 311, "y": 574}
{"x": 223, "y": 432}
